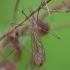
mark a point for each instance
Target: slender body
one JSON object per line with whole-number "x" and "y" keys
{"x": 38, "y": 56}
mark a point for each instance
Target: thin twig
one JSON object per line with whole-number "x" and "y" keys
{"x": 63, "y": 11}
{"x": 20, "y": 23}
{"x": 57, "y": 7}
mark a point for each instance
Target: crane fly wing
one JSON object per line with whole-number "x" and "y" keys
{"x": 36, "y": 41}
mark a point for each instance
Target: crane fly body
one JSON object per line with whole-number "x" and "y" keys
{"x": 38, "y": 56}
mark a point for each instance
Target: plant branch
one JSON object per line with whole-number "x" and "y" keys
{"x": 20, "y": 23}
{"x": 63, "y": 11}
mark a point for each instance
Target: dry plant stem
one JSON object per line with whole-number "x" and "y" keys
{"x": 15, "y": 11}
{"x": 46, "y": 13}
{"x": 47, "y": 8}
{"x": 66, "y": 5}
{"x": 57, "y": 7}
{"x": 14, "y": 44}
{"x": 24, "y": 28}
{"x": 20, "y": 23}
{"x": 5, "y": 42}
{"x": 41, "y": 17}
{"x": 63, "y": 11}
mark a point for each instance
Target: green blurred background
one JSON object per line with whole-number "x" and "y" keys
{"x": 57, "y": 51}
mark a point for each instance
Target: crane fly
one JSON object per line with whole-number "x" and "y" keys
{"x": 38, "y": 56}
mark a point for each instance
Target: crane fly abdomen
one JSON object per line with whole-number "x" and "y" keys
{"x": 37, "y": 59}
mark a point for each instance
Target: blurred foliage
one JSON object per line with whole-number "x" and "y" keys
{"x": 57, "y": 51}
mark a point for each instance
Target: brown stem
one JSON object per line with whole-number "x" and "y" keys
{"x": 46, "y": 13}
{"x": 20, "y": 23}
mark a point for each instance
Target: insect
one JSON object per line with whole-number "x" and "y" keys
{"x": 38, "y": 56}
{"x": 37, "y": 43}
